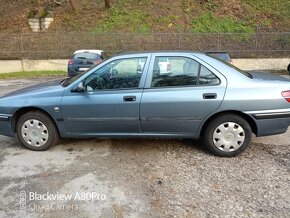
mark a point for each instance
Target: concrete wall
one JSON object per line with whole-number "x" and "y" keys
{"x": 36, "y": 65}
{"x": 262, "y": 64}
{"x": 7, "y": 66}
{"x": 60, "y": 64}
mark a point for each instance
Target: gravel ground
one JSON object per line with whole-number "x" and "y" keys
{"x": 143, "y": 178}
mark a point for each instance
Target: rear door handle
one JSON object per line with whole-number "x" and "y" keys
{"x": 129, "y": 98}
{"x": 209, "y": 96}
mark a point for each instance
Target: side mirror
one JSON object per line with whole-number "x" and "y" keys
{"x": 79, "y": 88}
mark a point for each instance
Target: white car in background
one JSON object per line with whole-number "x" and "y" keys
{"x": 162, "y": 65}
{"x": 82, "y": 60}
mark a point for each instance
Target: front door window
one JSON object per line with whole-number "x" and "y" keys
{"x": 118, "y": 74}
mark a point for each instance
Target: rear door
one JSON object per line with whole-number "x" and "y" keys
{"x": 176, "y": 103}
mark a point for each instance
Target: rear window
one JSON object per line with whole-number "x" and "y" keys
{"x": 87, "y": 55}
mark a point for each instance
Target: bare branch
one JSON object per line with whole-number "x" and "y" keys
{"x": 72, "y": 4}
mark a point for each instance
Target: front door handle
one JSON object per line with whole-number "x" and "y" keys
{"x": 209, "y": 96}
{"x": 129, "y": 98}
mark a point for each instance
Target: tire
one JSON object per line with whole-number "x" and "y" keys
{"x": 36, "y": 131}
{"x": 227, "y": 135}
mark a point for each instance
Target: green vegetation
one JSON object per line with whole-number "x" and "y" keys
{"x": 278, "y": 8}
{"x": 31, "y": 74}
{"x": 125, "y": 19}
{"x": 208, "y": 23}
{"x": 155, "y": 16}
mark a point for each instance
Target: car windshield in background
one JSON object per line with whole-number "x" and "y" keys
{"x": 87, "y": 55}
{"x": 104, "y": 56}
{"x": 220, "y": 55}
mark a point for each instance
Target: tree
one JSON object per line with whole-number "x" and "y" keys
{"x": 107, "y": 3}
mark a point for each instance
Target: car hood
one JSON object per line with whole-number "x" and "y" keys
{"x": 269, "y": 76}
{"x": 38, "y": 88}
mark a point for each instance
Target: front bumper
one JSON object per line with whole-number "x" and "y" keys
{"x": 5, "y": 125}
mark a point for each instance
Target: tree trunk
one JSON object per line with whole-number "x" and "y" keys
{"x": 107, "y": 3}
{"x": 72, "y": 4}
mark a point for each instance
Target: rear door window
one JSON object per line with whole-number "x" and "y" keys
{"x": 181, "y": 71}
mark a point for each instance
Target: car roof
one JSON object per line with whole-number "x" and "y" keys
{"x": 89, "y": 51}
{"x": 216, "y": 52}
{"x": 154, "y": 52}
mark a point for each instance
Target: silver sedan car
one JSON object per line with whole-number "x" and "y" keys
{"x": 200, "y": 97}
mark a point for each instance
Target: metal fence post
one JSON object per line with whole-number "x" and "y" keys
{"x": 218, "y": 42}
{"x": 257, "y": 37}
{"x": 21, "y": 45}
{"x": 179, "y": 41}
{"x": 22, "y": 50}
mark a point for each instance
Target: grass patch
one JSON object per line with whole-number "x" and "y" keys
{"x": 278, "y": 8}
{"x": 208, "y": 23}
{"x": 31, "y": 74}
{"x": 122, "y": 18}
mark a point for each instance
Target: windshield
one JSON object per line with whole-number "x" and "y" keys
{"x": 234, "y": 67}
{"x": 87, "y": 55}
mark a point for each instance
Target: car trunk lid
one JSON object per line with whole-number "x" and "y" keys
{"x": 269, "y": 76}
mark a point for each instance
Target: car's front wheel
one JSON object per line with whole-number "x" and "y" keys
{"x": 36, "y": 131}
{"x": 227, "y": 135}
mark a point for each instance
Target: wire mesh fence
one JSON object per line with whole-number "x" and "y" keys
{"x": 62, "y": 45}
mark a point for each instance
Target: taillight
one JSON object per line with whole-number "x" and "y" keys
{"x": 168, "y": 67}
{"x": 70, "y": 61}
{"x": 98, "y": 61}
{"x": 286, "y": 95}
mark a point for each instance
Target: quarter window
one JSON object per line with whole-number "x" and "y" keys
{"x": 119, "y": 74}
{"x": 181, "y": 71}
{"x": 206, "y": 77}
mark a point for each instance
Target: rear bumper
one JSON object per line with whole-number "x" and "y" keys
{"x": 275, "y": 126}
{"x": 73, "y": 69}
{"x": 271, "y": 122}
{"x": 5, "y": 125}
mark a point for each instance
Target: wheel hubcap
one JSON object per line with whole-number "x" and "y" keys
{"x": 34, "y": 132}
{"x": 229, "y": 136}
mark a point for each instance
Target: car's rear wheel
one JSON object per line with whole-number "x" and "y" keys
{"x": 227, "y": 135}
{"x": 36, "y": 131}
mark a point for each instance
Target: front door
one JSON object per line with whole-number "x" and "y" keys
{"x": 110, "y": 102}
